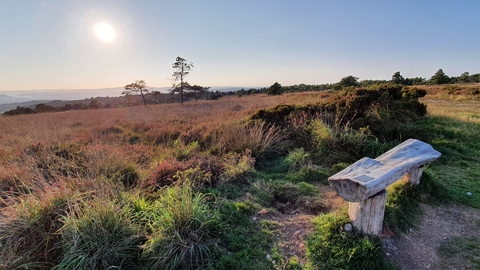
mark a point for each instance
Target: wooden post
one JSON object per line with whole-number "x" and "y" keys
{"x": 414, "y": 175}
{"x": 367, "y": 215}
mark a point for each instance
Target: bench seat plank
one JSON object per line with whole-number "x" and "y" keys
{"x": 367, "y": 176}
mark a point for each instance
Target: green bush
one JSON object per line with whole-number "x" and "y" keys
{"x": 297, "y": 159}
{"x": 194, "y": 177}
{"x": 236, "y": 167}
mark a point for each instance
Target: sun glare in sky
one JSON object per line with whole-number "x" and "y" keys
{"x": 105, "y": 32}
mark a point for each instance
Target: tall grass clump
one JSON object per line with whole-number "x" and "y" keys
{"x": 331, "y": 247}
{"x": 344, "y": 144}
{"x": 29, "y": 229}
{"x": 184, "y": 228}
{"x": 258, "y": 137}
{"x": 99, "y": 235}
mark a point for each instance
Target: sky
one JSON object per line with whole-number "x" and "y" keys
{"x": 53, "y": 44}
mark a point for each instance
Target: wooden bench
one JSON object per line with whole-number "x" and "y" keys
{"x": 363, "y": 183}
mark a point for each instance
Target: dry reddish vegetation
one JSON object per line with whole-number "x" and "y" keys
{"x": 47, "y": 159}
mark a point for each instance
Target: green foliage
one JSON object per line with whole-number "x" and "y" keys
{"x": 456, "y": 172}
{"x": 244, "y": 241}
{"x": 349, "y": 81}
{"x": 122, "y": 172}
{"x": 297, "y": 159}
{"x": 195, "y": 177}
{"x": 335, "y": 145}
{"x": 268, "y": 192}
{"x": 330, "y": 247}
{"x": 275, "y": 89}
{"x": 309, "y": 174}
{"x": 236, "y": 167}
{"x": 182, "y": 151}
{"x": 439, "y": 78}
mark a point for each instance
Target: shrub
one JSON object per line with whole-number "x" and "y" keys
{"x": 195, "y": 177}
{"x": 237, "y": 167}
{"x": 163, "y": 175}
{"x": 192, "y": 135}
{"x": 297, "y": 159}
{"x": 183, "y": 151}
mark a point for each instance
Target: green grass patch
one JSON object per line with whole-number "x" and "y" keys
{"x": 466, "y": 247}
{"x": 331, "y": 247}
{"x": 458, "y": 169}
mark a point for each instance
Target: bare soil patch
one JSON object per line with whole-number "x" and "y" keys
{"x": 292, "y": 223}
{"x": 417, "y": 249}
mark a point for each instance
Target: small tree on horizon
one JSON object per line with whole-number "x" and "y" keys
{"x": 275, "y": 89}
{"x": 439, "y": 78}
{"x": 138, "y": 87}
{"x": 398, "y": 78}
{"x": 182, "y": 69}
{"x": 196, "y": 90}
{"x": 346, "y": 82}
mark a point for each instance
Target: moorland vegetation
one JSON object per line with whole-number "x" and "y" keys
{"x": 189, "y": 187}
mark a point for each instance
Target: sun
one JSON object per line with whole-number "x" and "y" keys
{"x": 105, "y": 32}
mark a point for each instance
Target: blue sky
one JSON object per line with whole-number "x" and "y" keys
{"x": 51, "y": 44}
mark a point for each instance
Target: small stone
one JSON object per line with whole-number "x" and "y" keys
{"x": 348, "y": 227}
{"x": 469, "y": 193}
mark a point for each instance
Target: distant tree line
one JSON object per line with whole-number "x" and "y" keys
{"x": 137, "y": 93}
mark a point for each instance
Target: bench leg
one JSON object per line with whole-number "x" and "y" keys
{"x": 414, "y": 176}
{"x": 367, "y": 215}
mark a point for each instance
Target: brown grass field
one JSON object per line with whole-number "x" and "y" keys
{"x": 78, "y": 157}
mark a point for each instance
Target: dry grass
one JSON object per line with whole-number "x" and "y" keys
{"x": 78, "y": 125}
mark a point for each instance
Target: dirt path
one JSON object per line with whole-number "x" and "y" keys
{"x": 417, "y": 249}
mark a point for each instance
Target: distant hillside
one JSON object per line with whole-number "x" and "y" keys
{"x": 29, "y": 98}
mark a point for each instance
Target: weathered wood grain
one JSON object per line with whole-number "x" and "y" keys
{"x": 368, "y": 177}
{"x": 367, "y": 215}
